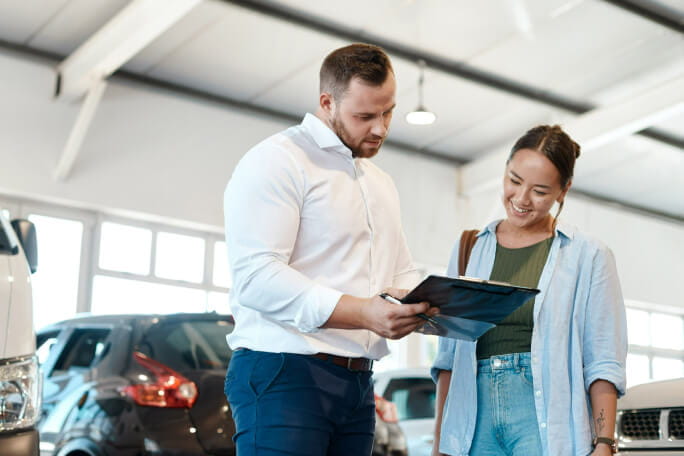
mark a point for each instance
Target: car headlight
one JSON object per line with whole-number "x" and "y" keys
{"x": 20, "y": 392}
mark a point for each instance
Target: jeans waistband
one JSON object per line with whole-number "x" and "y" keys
{"x": 510, "y": 361}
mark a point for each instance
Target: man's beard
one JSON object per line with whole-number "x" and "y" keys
{"x": 341, "y": 131}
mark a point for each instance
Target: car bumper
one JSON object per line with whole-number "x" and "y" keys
{"x": 23, "y": 443}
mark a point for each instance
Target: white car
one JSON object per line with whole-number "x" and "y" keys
{"x": 413, "y": 393}
{"x": 19, "y": 377}
{"x": 650, "y": 419}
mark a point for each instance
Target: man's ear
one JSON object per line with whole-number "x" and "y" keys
{"x": 327, "y": 103}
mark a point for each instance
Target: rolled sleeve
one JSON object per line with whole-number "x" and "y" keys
{"x": 611, "y": 371}
{"x": 445, "y": 357}
{"x": 321, "y": 304}
{"x": 605, "y": 334}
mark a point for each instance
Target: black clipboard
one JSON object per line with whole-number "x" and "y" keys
{"x": 469, "y": 307}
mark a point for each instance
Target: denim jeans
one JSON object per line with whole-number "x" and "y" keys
{"x": 288, "y": 404}
{"x": 506, "y": 417}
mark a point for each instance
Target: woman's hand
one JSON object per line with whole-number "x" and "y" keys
{"x": 602, "y": 450}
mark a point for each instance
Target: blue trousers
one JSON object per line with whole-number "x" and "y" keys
{"x": 288, "y": 404}
{"x": 506, "y": 417}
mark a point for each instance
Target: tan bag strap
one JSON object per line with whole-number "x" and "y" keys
{"x": 468, "y": 239}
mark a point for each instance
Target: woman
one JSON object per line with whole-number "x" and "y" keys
{"x": 545, "y": 381}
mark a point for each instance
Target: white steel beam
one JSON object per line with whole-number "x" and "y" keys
{"x": 133, "y": 28}
{"x": 591, "y": 130}
{"x": 78, "y": 132}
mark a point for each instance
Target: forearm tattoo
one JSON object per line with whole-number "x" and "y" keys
{"x": 600, "y": 422}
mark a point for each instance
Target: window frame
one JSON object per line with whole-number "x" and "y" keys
{"x": 650, "y": 351}
{"x": 92, "y": 221}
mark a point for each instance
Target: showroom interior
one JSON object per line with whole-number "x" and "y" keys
{"x": 122, "y": 122}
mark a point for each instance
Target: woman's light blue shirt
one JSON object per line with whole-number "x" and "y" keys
{"x": 579, "y": 336}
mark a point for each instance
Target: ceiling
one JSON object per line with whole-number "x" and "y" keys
{"x": 494, "y": 69}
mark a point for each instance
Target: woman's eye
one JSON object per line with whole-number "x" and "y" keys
{"x": 515, "y": 181}
{"x": 540, "y": 193}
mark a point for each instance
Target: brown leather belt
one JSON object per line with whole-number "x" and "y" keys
{"x": 353, "y": 364}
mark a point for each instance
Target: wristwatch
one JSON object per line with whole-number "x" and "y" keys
{"x": 608, "y": 441}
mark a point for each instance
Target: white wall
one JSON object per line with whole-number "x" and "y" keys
{"x": 157, "y": 154}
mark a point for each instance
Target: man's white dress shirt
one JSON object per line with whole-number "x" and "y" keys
{"x": 306, "y": 223}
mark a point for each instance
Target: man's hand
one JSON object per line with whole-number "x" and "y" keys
{"x": 376, "y": 314}
{"x": 391, "y": 320}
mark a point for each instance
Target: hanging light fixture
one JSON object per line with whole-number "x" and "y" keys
{"x": 420, "y": 115}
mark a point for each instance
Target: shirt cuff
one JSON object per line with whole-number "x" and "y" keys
{"x": 319, "y": 304}
{"x": 610, "y": 371}
{"x": 445, "y": 357}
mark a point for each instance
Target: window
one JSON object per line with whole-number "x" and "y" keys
{"x": 180, "y": 257}
{"x": 123, "y": 296}
{"x": 222, "y": 276}
{"x": 656, "y": 345}
{"x": 125, "y": 248}
{"x": 56, "y": 282}
{"x": 218, "y": 302}
{"x": 414, "y": 397}
{"x": 92, "y": 262}
{"x": 83, "y": 349}
{"x": 186, "y": 345}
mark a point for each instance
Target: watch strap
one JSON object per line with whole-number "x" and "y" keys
{"x": 608, "y": 441}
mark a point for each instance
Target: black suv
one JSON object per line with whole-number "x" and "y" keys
{"x": 136, "y": 384}
{"x": 143, "y": 385}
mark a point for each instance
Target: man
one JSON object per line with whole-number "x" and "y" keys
{"x": 313, "y": 233}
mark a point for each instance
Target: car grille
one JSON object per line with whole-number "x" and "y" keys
{"x": 645, "y": 425}
{"x": 640, "y": 425}
{"x": 676, "y": 424}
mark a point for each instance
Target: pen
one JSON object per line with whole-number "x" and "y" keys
{"x": 394, "y": 300}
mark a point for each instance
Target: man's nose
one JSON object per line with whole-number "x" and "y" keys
{"x": 380, "y": 127}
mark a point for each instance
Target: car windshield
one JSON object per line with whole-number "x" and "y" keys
{"x": 188, "y": 345}
{"x": 414, "y": 397}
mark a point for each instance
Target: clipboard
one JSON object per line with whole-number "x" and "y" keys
{"x": 469, "y": 307}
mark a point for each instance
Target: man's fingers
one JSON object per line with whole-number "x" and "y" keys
{"x": 398, "y": 293}
{"x": 413, "y": 309}
{"x": 432, "y": 311}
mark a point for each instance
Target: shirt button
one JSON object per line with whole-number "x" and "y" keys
{"x": 538, "y": 393}
{"x": 534, "y": 359}
{"x": 543, "y": 425}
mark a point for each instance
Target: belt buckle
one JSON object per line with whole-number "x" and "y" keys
{"x": 349, "y": 364}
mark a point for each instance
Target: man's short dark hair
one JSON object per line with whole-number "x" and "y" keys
{"x": 364, "y": 61}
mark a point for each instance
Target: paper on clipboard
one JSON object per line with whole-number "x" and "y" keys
{"x": 468, "y": 307}
{"x": 455, "y": 327}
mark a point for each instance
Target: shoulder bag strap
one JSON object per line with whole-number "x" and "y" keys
{"x": 468, "y": 239}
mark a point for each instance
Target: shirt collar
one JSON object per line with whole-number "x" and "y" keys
{"x": 323, "y": 135}
{"x": 563, "y": 229}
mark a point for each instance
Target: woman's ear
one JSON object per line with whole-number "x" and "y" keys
{"x": 561, "y": 197}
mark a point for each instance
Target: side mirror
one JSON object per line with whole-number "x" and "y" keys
{"x": 26, "y": 233}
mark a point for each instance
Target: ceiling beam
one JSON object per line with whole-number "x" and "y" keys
{"x": 434, "y": 61}
{"x": 133, "y": 28}
{"x": 79, "y": 130}
{"x": 152, "y": 82}
{"x": 655, "y": 12}
{"x": 591, "y": 130}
